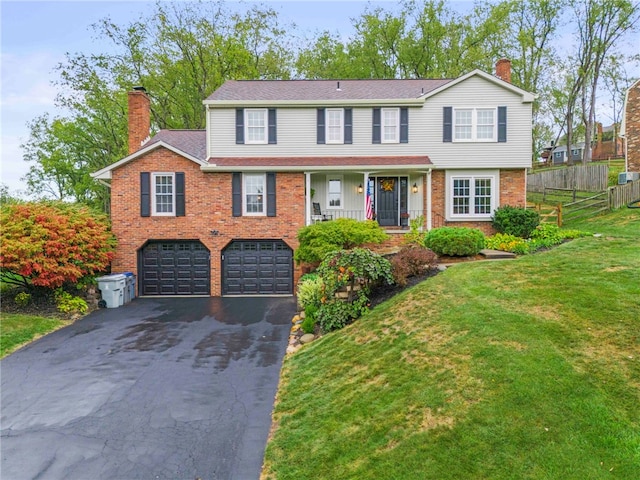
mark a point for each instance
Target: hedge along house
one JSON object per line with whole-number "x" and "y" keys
{"x": 217, "y": 211}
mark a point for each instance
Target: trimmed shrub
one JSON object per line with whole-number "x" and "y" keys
{"x": 321, "y": 238}
{"x": 310, "y": 316}
{"x": 516, "y": 221}
{"x": 67, "y": 303}
{"x": 411, "y": 261}
{"x": 22, "y": 299}
{"x": 310, "y": 290}
{"x": 455, "y": 241}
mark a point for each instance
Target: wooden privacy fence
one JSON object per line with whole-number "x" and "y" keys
{"x": 589, "y": 178}
{"x": 622, "y": 195}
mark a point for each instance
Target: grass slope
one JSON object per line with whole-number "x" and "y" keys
{"x": 17, "y": 330}
{"x": 492, "y": 370}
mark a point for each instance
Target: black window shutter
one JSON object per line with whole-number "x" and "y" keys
{"x": 404, "y": 125}
{"x": 447, "y": 124}
{"x": 376, "y": 125}
{"x": 180, "y": 211}
{"x": 320, "y": 127}
{"x": 239, "y": 125}
{"x": 272, "y": 126}
{"x": 348, "y": 125}
{"x": 145, "y": 194}
{"x": 236, "y": 194}
{"x": 271, "y": 194}
{"x": 502, "y": 124}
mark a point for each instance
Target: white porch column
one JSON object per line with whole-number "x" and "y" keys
{"x": 364, "y": 195}
{"x": 307, "y": 197}
{"x": 429, "y": 219}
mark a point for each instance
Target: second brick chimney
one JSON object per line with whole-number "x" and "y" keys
{"x": 503, "y": 69}
{"x": 139, "y": 118}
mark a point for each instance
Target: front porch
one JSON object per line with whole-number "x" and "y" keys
{"x": 390, "y": 198}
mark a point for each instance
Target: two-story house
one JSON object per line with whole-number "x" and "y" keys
{"x": 216, "y": 212}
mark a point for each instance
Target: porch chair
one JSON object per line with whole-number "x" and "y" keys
{"x": 318, "y": 216}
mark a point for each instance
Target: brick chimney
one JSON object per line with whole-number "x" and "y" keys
{"x": 503, "y": 69}
{"x": 139, "y": 118}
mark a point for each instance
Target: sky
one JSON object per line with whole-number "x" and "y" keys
{"x": 36, "y": 35}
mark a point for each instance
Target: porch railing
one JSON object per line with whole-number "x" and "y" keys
{"x": 437, "y": 220}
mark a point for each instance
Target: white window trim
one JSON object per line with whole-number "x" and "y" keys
{"x": 154, "y": 205}
{"x": 326, "y": 126}
{"x": 265, "y": 113}
{"x": 397, "y": 125}
{"x": 336, "y": 177}
{"x": 472, "y": 175}
{"x": 474, "y": 126}
{"x": 264, "y": 195}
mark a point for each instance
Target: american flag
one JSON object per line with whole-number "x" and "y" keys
{"x": 368, "y": 203}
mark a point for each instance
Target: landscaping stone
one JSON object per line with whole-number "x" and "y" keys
{"x": 307, "y": 338}
{"x": 295, "y": 319}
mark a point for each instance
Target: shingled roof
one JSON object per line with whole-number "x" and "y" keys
{"x": 191, "y": 142}
{"x": 310, "y": 90}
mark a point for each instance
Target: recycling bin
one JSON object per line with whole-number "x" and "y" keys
{"x": 130, "y": 289}
{"x": 112, "y": 289}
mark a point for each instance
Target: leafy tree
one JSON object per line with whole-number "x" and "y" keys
{"x": 49, "y": 244}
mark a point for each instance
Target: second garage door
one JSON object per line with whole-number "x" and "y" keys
{"x": 257, "y": 267}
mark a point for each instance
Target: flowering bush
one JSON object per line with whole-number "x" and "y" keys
{"x": 507, "y": 243}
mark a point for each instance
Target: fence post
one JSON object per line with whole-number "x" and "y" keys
{"x": 559, "y": 209}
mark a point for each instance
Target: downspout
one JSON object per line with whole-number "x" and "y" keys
{"x": 429, "y": 215}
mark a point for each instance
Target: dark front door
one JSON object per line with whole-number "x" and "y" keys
{"x": 174, "y": 268}
{"x": 257, "y": 267}
{"x": 387, "y": 202}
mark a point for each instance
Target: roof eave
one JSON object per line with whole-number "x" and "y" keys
{"x": 312, "y": 168}
{"x": 105, "y": 173}
{"x": 419, "y": 101}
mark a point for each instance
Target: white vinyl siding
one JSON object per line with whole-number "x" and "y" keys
{"x": 297, "y": 132}
{"x": 334, "y": 129}
{"x": 255, "y": 121}
{"x": 253, "y": 195}
{"x": 163, "y": 194}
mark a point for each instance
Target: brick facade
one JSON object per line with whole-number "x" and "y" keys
{"x": 632, "y": 128}
{"x": 513, "y": 192}
{"x": 207, "y": 208}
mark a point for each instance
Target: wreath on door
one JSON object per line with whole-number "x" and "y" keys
{"x": 387, "y": 184}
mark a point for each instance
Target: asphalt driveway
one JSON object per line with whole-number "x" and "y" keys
{"x": 172, "y": 388}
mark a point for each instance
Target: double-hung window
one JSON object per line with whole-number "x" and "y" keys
{"x": 474, "y": 125}
{"x": 472, "y": 196}
{"x": 390, "y": 125}
{"x": 335, "y": 125}
{"x": 163, "y": 194}
{"x": 254, "y": 194}
{"x": 256, "y": 125}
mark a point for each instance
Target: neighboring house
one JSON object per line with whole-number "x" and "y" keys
{"x": 217, "y": 212}
{"x": 607, "y": 144}
{"x": 558, "y": 153}
{"x": 630, "y": 128}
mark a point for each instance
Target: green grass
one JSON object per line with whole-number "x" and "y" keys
{"x": 16, "y": 330}
{"x": 525, "y": 369}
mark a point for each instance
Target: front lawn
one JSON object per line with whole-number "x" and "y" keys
{"x": 526, "y": 368}
{"x": 18, "y": 329}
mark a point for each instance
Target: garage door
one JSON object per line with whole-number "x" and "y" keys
{"x": 174, "y": 268}
{"x": 259, "y": 267}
